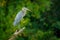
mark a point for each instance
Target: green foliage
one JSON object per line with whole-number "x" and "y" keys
{"x": 40, "y": 23}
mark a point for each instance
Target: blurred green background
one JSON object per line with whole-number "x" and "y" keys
{"x": 43, "y": 23}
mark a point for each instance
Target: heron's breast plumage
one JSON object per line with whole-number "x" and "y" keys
{"x": 18, "y": 17}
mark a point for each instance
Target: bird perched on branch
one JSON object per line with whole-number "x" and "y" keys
{"x": 20, "y": 16}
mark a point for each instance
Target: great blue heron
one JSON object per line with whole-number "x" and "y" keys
{"x": 20, "y": 15}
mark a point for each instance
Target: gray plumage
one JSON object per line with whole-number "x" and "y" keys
{"x": 20, "y": 16}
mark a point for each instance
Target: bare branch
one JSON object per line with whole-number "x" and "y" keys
{"x": 16, "y": 33}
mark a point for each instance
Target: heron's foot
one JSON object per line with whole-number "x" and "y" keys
{"x": 17, "y": 30}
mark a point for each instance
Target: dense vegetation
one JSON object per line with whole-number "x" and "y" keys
{"x": 43, "y": 23}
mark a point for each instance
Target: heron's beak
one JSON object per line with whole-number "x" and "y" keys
{"x": 29, "y": 10}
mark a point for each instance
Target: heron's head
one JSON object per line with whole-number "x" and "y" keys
{"x": 25, "y": 9}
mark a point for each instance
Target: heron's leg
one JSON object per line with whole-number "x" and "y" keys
{"x": 19, "y": 26}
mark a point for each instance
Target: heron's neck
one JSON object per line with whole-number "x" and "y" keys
{"x": 24, "y": 11}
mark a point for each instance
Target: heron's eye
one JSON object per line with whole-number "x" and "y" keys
{"x": 24, "y": 9}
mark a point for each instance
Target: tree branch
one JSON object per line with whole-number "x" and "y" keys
{"x": 16, "y": 33}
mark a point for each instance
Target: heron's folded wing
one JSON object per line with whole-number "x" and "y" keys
{"x": 18, "y": 18}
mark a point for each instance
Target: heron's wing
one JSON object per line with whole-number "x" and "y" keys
{"x": 18, "y": 17}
